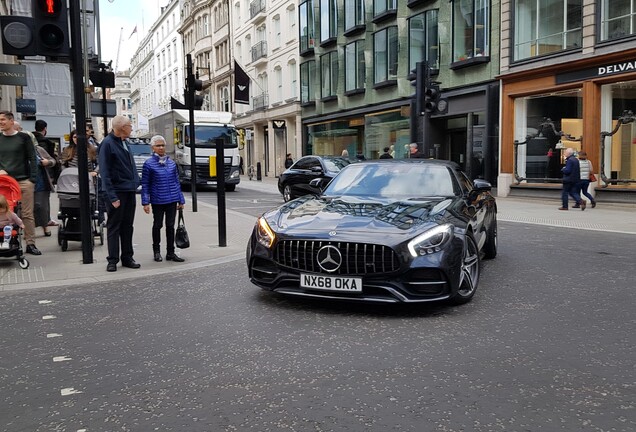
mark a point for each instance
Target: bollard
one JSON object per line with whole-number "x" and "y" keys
{"x": 259, "y": 177}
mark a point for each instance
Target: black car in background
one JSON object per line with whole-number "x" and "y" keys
{"x": 294, "y": 181}
{"x": 391, "y": 230}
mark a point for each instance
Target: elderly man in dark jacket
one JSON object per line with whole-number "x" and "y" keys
{"x": 160, "y": 188}
{"x": 571, "y": 178}
{"x": 119, "y": 185}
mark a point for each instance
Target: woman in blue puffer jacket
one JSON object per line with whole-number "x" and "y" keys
{"x": 160, "y": 189}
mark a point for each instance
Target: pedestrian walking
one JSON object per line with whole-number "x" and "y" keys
{"x": 571, "y": 178}
{"x": 414, "y": 152}
{"x": 386, "y": 154}
{"x": 161, "y": 190}
{"x": 43, "y": 188}
{"x": 17, "y": 159}
{"x": 119, "y": 184}
{"x": 586, "y": 171}
{"x": 288, "y": 161}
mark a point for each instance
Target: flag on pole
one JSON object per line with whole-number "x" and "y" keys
{"x": 133, "y": 32}
{"x": 241, "y": 85}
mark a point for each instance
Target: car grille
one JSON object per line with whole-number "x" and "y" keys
{"x": 357, "y": 258}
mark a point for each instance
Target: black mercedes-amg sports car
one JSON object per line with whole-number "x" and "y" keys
{"x": 410, "y": 230}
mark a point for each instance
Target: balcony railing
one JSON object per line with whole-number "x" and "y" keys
{"x": 260, "y": 102}
{"x": 256, "y": 7}
{"x": 259, "y": 50}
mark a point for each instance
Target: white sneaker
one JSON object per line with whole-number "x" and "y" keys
{"x": 5, "y": 245}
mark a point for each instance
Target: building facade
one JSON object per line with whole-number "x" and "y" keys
{"x": 265, "y": 46}
{"x": 568, "y": 67}
{"x": 156, "y": 70}
{"x": 357, "y": 61}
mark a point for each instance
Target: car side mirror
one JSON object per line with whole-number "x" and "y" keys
{"x": 482, "y": 185}
{"x": 316, "y": 169}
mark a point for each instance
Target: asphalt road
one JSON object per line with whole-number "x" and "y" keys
{"x": 546, "y": 345}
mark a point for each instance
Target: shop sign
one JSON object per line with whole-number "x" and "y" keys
{"x": 278, "y": 124}
{"x": 11, "y": 74}
{"x": 597, "y": 72}
{"x": 25, "y": 105}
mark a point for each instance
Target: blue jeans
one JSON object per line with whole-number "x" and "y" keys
{"x": 572, "y": 190}
{"x": 583, "y": 185}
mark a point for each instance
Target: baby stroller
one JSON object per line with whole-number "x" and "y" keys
{"x": 69, "y": 211}
{"x": 10, "y": 188}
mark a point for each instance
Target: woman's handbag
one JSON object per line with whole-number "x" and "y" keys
{"x": 592, "y": 177}
{"x": 181, "y": 239}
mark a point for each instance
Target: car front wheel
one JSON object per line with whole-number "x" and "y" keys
{"x": 287, "y": 193}
{"x": 469, "y": 278}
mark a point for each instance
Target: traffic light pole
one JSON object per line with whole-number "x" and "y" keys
{"x": 192, "y": 140}
{"x": 80, "y": 120}
{"x": 220, "y": 190}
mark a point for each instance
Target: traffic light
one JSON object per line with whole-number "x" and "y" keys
{"x": 431, "y": 97}
{"x": 192, "y": 98}
{"x": 50, "y": 18}
{"x": 17, "y": 35}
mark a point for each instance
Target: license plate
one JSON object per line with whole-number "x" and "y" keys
{"x": 331, "y": 283}
{"x": 210, "y": 182}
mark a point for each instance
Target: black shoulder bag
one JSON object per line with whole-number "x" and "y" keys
{"x": 181, "y": 239}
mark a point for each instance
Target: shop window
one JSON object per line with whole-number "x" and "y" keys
{"x": 329, "y": 75}
{"x": 355, "y": 70}
{"x": 546, "y": 26}
{"x": 618, "y": 161}
{"x": 385, "y": 56}
{"x": 619, "y": 20}
{"x": 328, "y": 21}
{"x": 471, "y": 30}
{"x": 307, "y": 82}
{"x": 424, "y": 39}
{"x": 307, "y": 26}
{"x": 354, "y": 16}
{"x": 540, "y": 156}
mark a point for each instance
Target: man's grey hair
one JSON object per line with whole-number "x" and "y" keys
{"x": 569, "y": 151}
{"x": 155, "y": 139}
{"x": 413, "y": 145}
{"x": 119, "y": 121}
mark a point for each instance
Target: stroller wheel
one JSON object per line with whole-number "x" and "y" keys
{"x": 59, "y": 237}
{"x": 23, "y": 263}
{"x": 64, "y": 245}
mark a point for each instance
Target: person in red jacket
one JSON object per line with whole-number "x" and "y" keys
{"x": 160, "y": 189}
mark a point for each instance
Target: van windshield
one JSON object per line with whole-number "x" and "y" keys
{"x": 206, "y": 136}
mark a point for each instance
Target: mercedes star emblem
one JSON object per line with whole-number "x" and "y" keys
{"x": 329, "y": 258}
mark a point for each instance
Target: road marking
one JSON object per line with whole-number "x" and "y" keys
{"x": 48, "y": 317}
{"x": 45, "y": 302}
{"x": 61, "y": 358}
{"x": 69, "y": 391}
{"x": 53, "y": 335}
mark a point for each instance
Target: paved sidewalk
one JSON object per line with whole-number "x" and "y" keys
{"x": 57, "y": 268}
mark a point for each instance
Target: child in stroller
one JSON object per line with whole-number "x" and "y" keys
{"x": 10, "y": 222}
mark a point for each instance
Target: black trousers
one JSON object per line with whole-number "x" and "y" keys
{"x": 120, "y": 227}
{"x": 159, "y": 211}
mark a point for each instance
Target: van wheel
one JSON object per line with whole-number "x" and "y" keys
{"x": 230, "y": 188}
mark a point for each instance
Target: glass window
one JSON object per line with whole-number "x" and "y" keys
{"x": 424, "y": 39}
{"x": 354, "y": 14}
{"x": 385, "y": 53}
{"x": 307, "y": 81}
{"x": 618, "y": 161}
{"x": 540, "y": 158}
{"x": 546, "y": 26}
{"x": 383, "y": 6}
{"x": 329, "y": 74}
{"x": 328, "y": 20}
{"x": 355, "y": 70}
{"x": 619, "y": 20}
{"x": 307, "y": 25}
{"x": 471, "y": 29}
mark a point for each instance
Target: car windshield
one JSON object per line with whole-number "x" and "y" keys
{"x": 335, "y": 165}
{"x": 393, "y": 181}
{"x": 140, "y": 149}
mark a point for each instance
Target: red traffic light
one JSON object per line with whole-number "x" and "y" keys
{"x": 49, "y": 8}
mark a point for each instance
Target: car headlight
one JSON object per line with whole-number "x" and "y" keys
{"x": 431, "y": 241}
{"x": 234, "y": 174}
{"x": 264, "y": 234}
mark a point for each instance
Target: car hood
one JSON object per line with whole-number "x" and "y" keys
{"x": 349, "y": 215}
